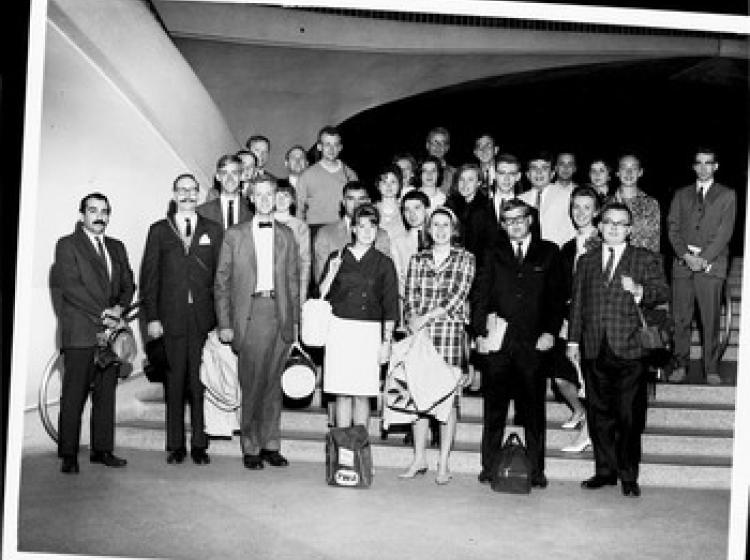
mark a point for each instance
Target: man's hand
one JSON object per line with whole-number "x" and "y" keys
{"x": 630, "y": 286}
{"x": 111, "y": 316}
{"x": 226, "y": 335}
{"x": 545, "y": 342}
{"x": 154, "y": 329}
{"x": 694, "y": 262}
{"x": 573, "y": 352}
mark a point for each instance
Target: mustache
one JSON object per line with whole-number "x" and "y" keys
{"x": 189, "y": 199}
{"x": 99, "y": 223}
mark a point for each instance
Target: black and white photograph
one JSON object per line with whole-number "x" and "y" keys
{"x": 369, "y": 279}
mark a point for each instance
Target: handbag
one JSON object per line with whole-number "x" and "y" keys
{"x": 316, "y": 320}
{"x": 348, "y": 457}
{"x": 511, "y": 468}
{"x": 652, "y": 337}
{"x": 118, "y": 347}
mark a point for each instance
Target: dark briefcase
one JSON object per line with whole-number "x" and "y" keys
{"x": 348, "y": 457}
{"x": 511, "y": 471}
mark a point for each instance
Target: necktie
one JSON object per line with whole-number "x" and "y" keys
{"x": 701, "y": 197}
{"x": 100, "y": 248}
{"x": 519, "y": 252}
{"x": 539, "y": 200}
{"x": 609, "y": 265}
{"x": 230, "y": 214}
{"x": 188, "y": 228}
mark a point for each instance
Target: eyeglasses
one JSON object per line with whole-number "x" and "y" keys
{"x": 184, "y": 190}
{"x": 516, "y": 221}
{"x": 615, "y": 224}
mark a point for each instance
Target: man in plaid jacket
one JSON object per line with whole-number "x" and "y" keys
{"x": 609, "y": 284}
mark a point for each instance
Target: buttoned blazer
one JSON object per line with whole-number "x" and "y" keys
{"x": 599, "y": 308}
{"x": 81, "y": 289}
{"x": 708, "y": 226}
{"x": 237, "y": 274}
{"x": 170, "y": 271}
{"x": 333, "y": 237}
{"x": 212, "y": 211}
{"x": 528, "y": 295}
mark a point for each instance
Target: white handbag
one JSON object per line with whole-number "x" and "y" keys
{"x": 316, "y": 320}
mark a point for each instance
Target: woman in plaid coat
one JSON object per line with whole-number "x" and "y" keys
{"x": 437, "y": 287}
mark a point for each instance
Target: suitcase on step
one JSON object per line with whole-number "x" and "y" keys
{"x": 348, "y": 457}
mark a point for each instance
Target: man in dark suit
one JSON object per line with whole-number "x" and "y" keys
{"x": 701, "y": 223}
{"x": 230, "y": 207}
{"x": 520, "y": 283}
{"x": 610, "y": 282}
{"x": 177, "y": 276}
{"x": 93, "y": 283}
{"x": 257, "y": 307}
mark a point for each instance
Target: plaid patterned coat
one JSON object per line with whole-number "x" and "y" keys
{"x": 446, "y": 286}
{"x": 598, "y": 308}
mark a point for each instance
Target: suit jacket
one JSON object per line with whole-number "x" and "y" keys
{"x": 528, "y": 295}
{"x": 212, "y": 211}
{"x": 236, "y": 278}
{"x": 333, "y": 237}
{"x": 709, "y": 226}
{"x": 598, "y": 308}
{"x": 170, "y": 271}
{"x": 80, "y": 285}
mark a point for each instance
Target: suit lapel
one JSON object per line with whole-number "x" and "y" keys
{"x": 623, "y": 267}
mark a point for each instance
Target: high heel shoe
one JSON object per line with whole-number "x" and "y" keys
{"x": 577, "y": 447}
{"x": 573, "y": 422}
{"x": 443, "y": 479}
{"x": 413, "y": 472}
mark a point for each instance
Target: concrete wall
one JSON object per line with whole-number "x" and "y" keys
{"x": 103, "y": 90}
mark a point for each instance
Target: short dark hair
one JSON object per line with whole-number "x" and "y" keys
{"x": 295, "y": 147}
{"x": 563, "y": 153}
{"x": 263, "y": 178}
{"x": 354, "y": 186}
{"x": 439, "y": 130}
{"x": 244, "y": 152}
{"x": 182, "y": 176}
{"x": 585, "y": 190}
{"x": 395, "y": 170}
{"x": 603, "y": 161}
{"x": 541, "y": 155}
{"x": 367, "y": 211}
{"x": 617, "y": 206}
{"x": 407, "y": 156}
{"x": 96, "y": 196}
{"x": 509, "y": 159}
{"x": 438, "y": 164}
{"x": 230, "y": 158}
{"x": 257, "y": 138}
{"x": 286, "y": 187}
{"x": 413, "y": 195}
{"x": 329, "y": 130}
{"x": 514, "y": 204}
{"x": 706, "y": 150}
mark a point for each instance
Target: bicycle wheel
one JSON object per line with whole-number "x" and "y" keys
{"x": 50, "y": 390}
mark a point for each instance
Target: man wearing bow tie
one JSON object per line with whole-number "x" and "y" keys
{"x": 701, "y": 223}
{"x": 177, "y": 274}
{"x": 92, "y": 283}
{"x": 257, "y": 306}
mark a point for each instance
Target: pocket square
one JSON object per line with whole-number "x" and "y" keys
{"x": 204, "y": 240}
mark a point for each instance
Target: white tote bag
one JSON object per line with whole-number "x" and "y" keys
{"x": 316, "y": 320}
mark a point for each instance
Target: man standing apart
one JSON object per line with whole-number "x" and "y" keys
{"x": 257, "y": 307}
{"x": 610, "y": 282}
{"x": 701, "y": 223}
{"x": 319, "y": 185}
{"x": 177, "y": 276}
{"x": 520, "y": 283}
{"x": 93, "y": 279}
{"x": 260, "y": 146}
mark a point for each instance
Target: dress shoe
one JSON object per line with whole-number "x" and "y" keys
{"x": 273, "y": 458}
{"x": 413, "y": 471}
{"x": 199, "y": 456}
{"x": 69, "y": 465}
{"x": 253, "y": 462}
{"x": 539, "y": 481}
{"x": 713, "y": 379}
{"x": 176, "y": 456}
{"x": 578, "y": 446}
{"x": 107, "y": 458}
{"x": 484, "y": 477}
{"x": 678, "y": 375}
{"x": 631, "y": 489}
{"x": 597, "y": 481}
{"x": 574, "y": 421}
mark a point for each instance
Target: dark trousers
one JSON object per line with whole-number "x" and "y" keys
{"x": 514, "y": 373}
{"x": 183, "y": 383}
{"x": 706, "y": 290}
{"x": 261, "y": 359}
{"x": 616, "y": 412}
{"x": 81, "y": 375}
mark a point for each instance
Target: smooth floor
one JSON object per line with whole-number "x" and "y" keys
{"x": 151, "y": 509}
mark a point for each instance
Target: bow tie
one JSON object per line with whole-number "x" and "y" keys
{"x": 265, "y": 224}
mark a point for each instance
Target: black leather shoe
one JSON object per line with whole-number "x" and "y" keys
{"x": 200, "y": 457}
{"x": 253, "y": 462}
{"x": 631, "y": 489}
{"x": 484, "y": 477}
{"x": 107, "y": 458}
{"x": 176, "y": 457}
{"x": 539, "y": 481}
{"x": 273, "y": 458}
{"x": 69, "y": 465}
{"x": 597, "y": 481}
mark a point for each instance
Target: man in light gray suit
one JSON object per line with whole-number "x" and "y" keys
{"x": 256, "y": 291}
{"x": 701, "y": 223}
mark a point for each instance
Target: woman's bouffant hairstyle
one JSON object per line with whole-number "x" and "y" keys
{"x": 455, "y": 226}
{"x": 367, "y": 211}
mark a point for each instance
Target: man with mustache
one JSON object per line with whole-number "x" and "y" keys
{"x": 177, "y": 275}
{"x": 92, "y": 283}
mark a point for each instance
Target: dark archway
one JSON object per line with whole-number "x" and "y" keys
{"x": 661, "y": 109}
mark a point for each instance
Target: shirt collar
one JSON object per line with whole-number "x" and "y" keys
{"x": 705, "y": 185}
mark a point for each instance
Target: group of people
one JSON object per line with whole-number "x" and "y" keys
{"x": 512, "y": 288}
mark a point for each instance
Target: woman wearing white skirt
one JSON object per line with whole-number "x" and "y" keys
{"x": 364, "y": 299}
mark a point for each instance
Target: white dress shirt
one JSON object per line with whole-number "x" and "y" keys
{"x": 93, "y": 237}
{"x": 263, "y": 238}
{"x": 224, "y": 200}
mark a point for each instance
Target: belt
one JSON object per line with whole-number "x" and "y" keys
{"x": 265, "y": 294}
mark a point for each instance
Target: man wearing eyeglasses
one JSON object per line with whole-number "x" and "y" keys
{"x": 603, "y": 336}
{"x": 519, "y": 289}
{"x": 176, "y": 282}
